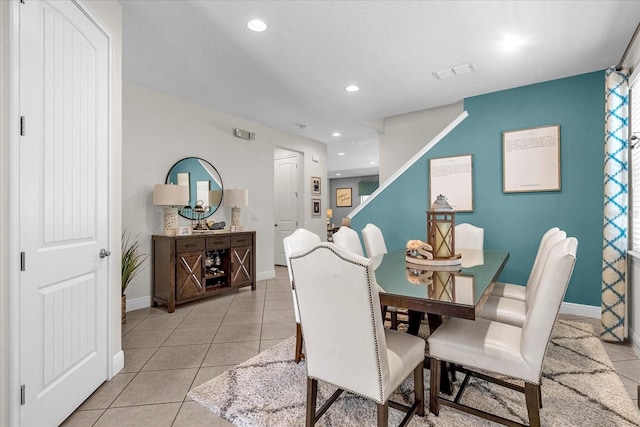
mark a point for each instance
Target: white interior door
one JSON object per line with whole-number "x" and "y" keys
{"x": 64, "y": 205}
{"x": 287, "y": 172}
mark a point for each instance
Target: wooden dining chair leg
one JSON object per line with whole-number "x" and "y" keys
{"x": 298, "y": 355}
{"x": 383, "y": 415}
{"x": 394, "y": 320}
{"x": 540, "y": 393}
{"x": 312, "y": 394}
{"x": 434, "y": 405}
{"x": 384, "y": 313}
{"x": 418, "y": 385}
{"x": 532, "y": 393}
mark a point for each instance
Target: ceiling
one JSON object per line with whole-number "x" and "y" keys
{"x": 293, "y": 76}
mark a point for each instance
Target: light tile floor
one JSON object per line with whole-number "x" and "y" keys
{"x": 166, "y": 355}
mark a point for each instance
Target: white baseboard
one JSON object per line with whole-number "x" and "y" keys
{"x": 580, "y": 310}
{"x": 264, "y": 275}
{"x": 117, "y": 364}
{"x": 138, "y": 303}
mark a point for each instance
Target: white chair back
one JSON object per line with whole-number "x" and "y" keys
{"x": 348, "y": 348}
{"x": 469, "y": 236}
{"x": 546, "y": 243}
{"x": 298, "y": 241}
{"x": 544, "y": 237}
{"x": 374, "y": 244}
{"x": 347, "y": 238}
{"x": 543, "y": 310}
{"x": 539, "y": 255}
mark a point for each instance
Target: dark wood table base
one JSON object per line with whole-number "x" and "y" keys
{"x": 435, "y": 320}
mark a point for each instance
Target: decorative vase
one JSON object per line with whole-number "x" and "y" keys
{"x": 124, "y": 309}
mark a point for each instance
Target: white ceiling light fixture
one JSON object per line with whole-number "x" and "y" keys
{"x": 338, "y": 174}
{"x": 352, "y": 88}
{"x": 511, "y": 44}
{"x": 340, "y": 154}
{"x": 257, "y": 25}
{"x": 336, "y": 134}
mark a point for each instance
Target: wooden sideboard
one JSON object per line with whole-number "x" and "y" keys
{"x": 188, "y": 268}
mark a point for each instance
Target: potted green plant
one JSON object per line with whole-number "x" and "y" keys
{"x": 132, "y": 261}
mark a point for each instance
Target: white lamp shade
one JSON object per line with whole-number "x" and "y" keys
{"x": 236, "y": 197}
{"x": 170, "y": 195}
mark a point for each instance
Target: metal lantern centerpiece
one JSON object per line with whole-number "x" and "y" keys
{"x": 441, "y": 219}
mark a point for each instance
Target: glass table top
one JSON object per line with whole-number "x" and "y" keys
{"x": 464, "y": 285}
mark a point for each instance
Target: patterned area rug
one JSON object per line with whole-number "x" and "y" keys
{"x": 579, "y": 388}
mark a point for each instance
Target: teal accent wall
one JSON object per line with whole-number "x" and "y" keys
{"x": 516, "y": 221}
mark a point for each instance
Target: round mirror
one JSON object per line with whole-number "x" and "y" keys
{"x": 204, "y": 183}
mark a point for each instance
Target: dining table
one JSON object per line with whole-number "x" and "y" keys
{"x": 457, "y": 290}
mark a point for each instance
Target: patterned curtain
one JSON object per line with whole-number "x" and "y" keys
{"x": 367, "y": 188}
{"x": 614, "y": 265}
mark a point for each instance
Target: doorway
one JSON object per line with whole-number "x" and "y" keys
{"x": 287, "y": 183}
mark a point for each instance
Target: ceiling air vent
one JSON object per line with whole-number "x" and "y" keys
{"x": 454, "y": 71}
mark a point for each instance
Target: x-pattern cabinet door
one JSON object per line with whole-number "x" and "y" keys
{"x": 241, "y": 265}
{"x": 189, "y": 277}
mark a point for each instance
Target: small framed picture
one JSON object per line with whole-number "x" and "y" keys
{"x": 315, "y": 185}
{"x": 315, "y": 207}
{"x": 184, "y": 231}
{"x": 343, "y": 197}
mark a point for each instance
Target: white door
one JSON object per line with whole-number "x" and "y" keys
{"x": 286, "y": 179}
{"x": 64, "y": 205}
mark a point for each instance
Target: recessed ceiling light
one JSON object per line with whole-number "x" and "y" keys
{"x": 257, "y": 25}
{"x": 338, "y": 174}
{"x": 511, "y": 44}
{"x": 352, "y": 88}
{"x": 336, "y": 134}
{"x": 372, "y": 163}
{"x": 340, "y": 154}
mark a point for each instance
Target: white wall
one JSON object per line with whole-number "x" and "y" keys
{"x": 109, "y": 13}
{"x": 406, "y": 134}
{"x": 159, "y": 130}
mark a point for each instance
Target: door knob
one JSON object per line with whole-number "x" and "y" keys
{"x": 104, "y": 253}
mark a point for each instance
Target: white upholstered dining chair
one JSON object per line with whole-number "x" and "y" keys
{"x": 348, "y": 239}
{"x": 512, "y": 310}
{"x": 487, "y": 348}
{"x": 374, "y": 244}
{"x": 469, "y": 236}
{"x": 363, "y": 358}
{"x": 298, "y": 241}
{"x": 515, "y": 291}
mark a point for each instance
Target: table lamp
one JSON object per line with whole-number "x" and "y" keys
{"x": 170, "y": 196}
{"x": 329, "y": 215}
{"x": 236, "y": 198}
